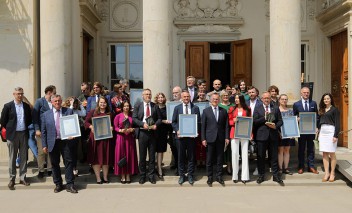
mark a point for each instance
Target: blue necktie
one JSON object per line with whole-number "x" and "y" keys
{"x": 306, "y": 106}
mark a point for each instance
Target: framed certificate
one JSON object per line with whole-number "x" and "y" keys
{"x": 101, "y": 127}
{"x": 170, "y": 107}
{"x": 289, "y": 129}
{"x": 201, "y": 106}
{"x": 69, "y": 126}
{"x": 307, "y": 122}
{"x": 243, "y": 127}
{"x": 188, "y": 125}
{"x": 135, "y": 96}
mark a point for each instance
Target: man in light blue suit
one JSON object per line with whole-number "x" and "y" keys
{"x": 54, "y": 145}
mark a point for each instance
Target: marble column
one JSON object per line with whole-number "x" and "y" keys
{"x": 56, "y": 52}
{"x": 156, "y": 46}
{"x": 285, "y": 46}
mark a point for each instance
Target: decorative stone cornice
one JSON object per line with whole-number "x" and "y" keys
{"x": 186, "y": 23}
{"x": 89, "y": 12}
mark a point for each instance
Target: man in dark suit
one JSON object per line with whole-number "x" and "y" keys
{"x": 214, "y": 134}
{"x": 42, "y": 105}
{"x": 185, "y": 144}
{"x": 267, "y": 121}
{"x": 305, "y": 105}
{"x": 15, "y": 118}
{"x": 146, "y": 119}
{"x": 54, "y": 145}
{"x": 192, "y": 89}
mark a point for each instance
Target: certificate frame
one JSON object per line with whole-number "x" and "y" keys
{"x": 135, "y": 96}
{"x": 170, "y": 108}
{"x": 187, "y": 125}
{"x": 243, "y": 127}
{"x": 101, "y": 127}
{"x": 289, "y": 128}
{"x": 307, "y": 123}
{"x": 69, "y": 127}
{"x": 202, "y": 106}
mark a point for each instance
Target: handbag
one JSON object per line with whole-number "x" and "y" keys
{"x": 3, "y": 135}
{"x": 122, "y": 162}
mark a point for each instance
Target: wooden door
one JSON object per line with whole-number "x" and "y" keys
{"x": 339, "y": 80}
{"x": 197, "y": 60}
{"x": 241, "y": 61}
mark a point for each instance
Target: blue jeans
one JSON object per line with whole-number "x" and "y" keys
{"x": 32, "y": 143}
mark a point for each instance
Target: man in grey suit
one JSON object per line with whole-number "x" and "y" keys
{"x": 146, "y": 119}
{"x": 185, "y": 144}
{"x": 42, "y": 105}
{"x": 54, "y": 145}
{"x": 215, "y": 134}
{"x": 16, "y": 117}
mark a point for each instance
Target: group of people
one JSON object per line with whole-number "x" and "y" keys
{"x": 147, "y": 122}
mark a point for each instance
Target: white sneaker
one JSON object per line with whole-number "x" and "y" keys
{"x": 255, "y": 171}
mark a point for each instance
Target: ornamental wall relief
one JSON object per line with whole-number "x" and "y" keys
{"x": 195, "y": 15}
{"x": 125, "y": 15}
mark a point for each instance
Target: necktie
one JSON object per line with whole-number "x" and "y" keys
{"x": 147, "y": 113}
{"x": 306, "y": 106}
{"x": 266, "y": 109}
{"x": 57, "y": 124}
{"x": 186, "y": 109}
{"x": 216, "y": 113}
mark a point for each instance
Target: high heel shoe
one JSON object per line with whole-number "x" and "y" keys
{"x": 123, "y": 181}
{"x": 105, "y": 181}
{"x": 160, "y": 175}
{"x": 332, "y": 178}
{"x": 244, "y": 181}
{"x": 99, "y": 182}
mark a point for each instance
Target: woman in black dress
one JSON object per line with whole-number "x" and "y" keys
{"x": 163, "y": 131}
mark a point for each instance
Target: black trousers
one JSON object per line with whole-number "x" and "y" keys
{"x": 64, "y": 148}
{"x": 262, "y": 147}
{"x": 215, "y": 149}
{"x": 186, "y": 150}
{"x": 147, "y": 143}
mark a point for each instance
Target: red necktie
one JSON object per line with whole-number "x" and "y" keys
{"x": 147, "y": 111}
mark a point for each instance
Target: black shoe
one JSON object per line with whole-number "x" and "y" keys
{"x": 99, "y": 182}
{"x": 244, "y": 182}
{"x": 160, "y": 176}
{"x": 58, "y": 188}
{"x": 181, "y": 180}
{"x": 278, "y": 180}
{"x": 11, "y": 185}
{"x": 105, "y": 181}
{"x": 235, "y": 181}
{"x": 210, "y": 181}
{"x": 128, "y": 181}
{"x": 260, "y": 180}
{"x": 287, "y": 172}
{"x": 220, "y": 180}
{"x": 24, "y": 182}
{"x": 50, "y": 173}
{"x": 190, "y": 179}
{"x": 40, "y": 175}
{"x": 142, "y": 180}
{"x": 71, "y": 189}
{"x": 152, "y": 180}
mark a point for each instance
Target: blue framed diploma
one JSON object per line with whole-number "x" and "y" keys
{"x": 101, "y": 127}
{"x": 289, "y": 129}
{"x": 170, "y": 107}
{"x": 69, "y": 127}
{"x": 188, "y": 125}
{"x": 201, "y": 106}
{"x": 243, "y": 127}
{"x": 135, "y": 96}
{"x": 307, "y": 122}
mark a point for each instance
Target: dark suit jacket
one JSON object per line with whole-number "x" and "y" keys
{"x": 138, "y": 114}
{"x": 48, "y": 128}
{"x": 9, "y": 118}
{"x": 211, "y": 129}
{"x": 298, "y": 107}
{"x": 41, "y": 105}
{"x": 263, "y": 132}
{"x": 92, "y": 101}
{"x": 179, "y": 110}
{"x": 195, "y": 93}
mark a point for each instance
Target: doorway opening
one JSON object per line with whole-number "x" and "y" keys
{"x": 220, "y": 63}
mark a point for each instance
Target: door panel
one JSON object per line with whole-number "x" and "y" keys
{"x": 241, "y": 60}
{"x": 339, "y": 79}
{"x": 197, "y": 60}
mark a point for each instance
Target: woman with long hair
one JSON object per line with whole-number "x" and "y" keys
{"x": 117, "y": 98}
{"x": 240, "y": 109}
{"x": 329, "y": 128}
{"x": 285, "y": 144}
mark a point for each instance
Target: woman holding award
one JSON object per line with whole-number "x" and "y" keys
{"x": 99, "y": 150}
{"x": 329, "y": 128}
{"x": 125, "y": 148}
{"x": 240, "y": 109}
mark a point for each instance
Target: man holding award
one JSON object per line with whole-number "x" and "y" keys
{"x": 146, "y": 119}
{"x": 267, "y": 121}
